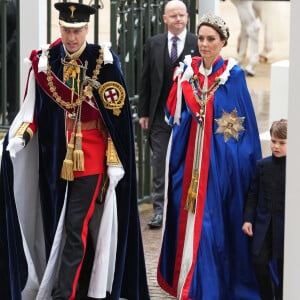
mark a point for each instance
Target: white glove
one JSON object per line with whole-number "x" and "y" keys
{"x": 15, "y": 144}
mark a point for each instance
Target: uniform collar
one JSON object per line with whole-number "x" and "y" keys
{"x": 76, "y": 54}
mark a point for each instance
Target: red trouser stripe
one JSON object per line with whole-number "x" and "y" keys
{"x": 84, "y": 234}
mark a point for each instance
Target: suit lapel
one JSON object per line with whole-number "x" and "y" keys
{"x": 160, "y": 54}
{"x": 189, "y": 46}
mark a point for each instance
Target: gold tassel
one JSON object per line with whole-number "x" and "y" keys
{"x": 190, "y": 203}
{"x": 67, "y": 168}
{"x": 78, "y": 156}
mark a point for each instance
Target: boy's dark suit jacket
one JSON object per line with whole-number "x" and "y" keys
{"x": 265, "y": 204}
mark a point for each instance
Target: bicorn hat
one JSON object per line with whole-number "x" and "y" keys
{"x": 74, "y": 15}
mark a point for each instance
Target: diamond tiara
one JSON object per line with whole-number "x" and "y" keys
{"x": 215, "y": 21}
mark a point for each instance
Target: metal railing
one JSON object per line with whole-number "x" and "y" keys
{"x": 132, "y": 22}
{"x": 9, "y": 62}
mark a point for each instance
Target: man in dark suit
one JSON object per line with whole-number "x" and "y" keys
{"x": 161, "y": 55}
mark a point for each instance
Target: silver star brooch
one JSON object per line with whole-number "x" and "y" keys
{"x": 230, "y": 125}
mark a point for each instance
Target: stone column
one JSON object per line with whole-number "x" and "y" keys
{"x": 33, "y": 33}
{"x": 292, "y": 208}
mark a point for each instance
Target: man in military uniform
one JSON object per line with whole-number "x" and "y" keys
{"x": 73, "y": 128}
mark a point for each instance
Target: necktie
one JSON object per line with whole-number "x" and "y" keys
{"x": 174, "y": 49}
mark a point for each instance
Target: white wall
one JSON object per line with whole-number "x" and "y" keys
{"x": 292, "y": 208}
{"x": 205, "y": 6}
{"x": 33, "y": 33}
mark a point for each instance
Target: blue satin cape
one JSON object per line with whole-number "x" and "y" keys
{"x": 223, "y": 268}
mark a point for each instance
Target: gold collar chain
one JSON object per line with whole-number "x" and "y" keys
{"x": 58, "y": 98}
{"x": 206, "y": 94}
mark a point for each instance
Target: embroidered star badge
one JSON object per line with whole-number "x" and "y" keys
{"x": 230, "y": 125}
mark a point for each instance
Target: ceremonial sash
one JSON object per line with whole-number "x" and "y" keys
{"x": 64, "y": 92}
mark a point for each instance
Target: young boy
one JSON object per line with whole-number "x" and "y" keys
{"x": 264, "y": 212}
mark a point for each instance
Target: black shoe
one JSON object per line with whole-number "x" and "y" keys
{"x": 156, "y": 222}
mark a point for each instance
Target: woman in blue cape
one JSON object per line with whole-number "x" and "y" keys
{"x": 211, "y": 159}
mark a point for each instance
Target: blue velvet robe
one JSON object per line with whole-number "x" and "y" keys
{"x": 130, "y": 275}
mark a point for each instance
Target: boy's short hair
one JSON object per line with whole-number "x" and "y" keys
{"x": 279, "y": 129}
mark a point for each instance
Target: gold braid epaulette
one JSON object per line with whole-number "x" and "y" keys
{"x": 112, "y": 158}
{"x": 52, "y": 87}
